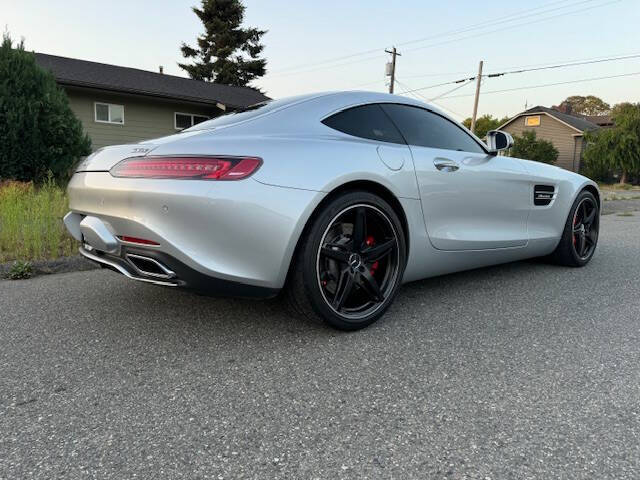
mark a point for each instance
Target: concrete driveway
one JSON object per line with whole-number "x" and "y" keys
{"x": 520, "y": 371}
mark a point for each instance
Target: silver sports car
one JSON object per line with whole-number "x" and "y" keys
{"x": 335, "y": 198}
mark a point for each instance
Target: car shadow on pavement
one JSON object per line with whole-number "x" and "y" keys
{"x": 155, "y": 311}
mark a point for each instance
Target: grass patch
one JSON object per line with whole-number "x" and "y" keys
{"x": 625, "y": 214}
{"x": 20, "y": 271}
{"x": 31, "y": 225}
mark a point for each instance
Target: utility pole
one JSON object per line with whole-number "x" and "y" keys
{"x": 475, "y": 103}
{"x": 392, "y": 74}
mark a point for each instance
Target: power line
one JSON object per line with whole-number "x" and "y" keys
{"x": 365, "y": 52}
{"x": 547, "y": 85}
{"x": 563, "y": 65}
{"x": 511, "y": 26}
{"x": 499, "y": 74}
{"x": 419, "y": 96}
{"x": 499, "y": 20}
{"x": 569, "y": 61}
{"x": 467, "y": 82}
{"x": 517, "y": 16}
{"x": 519, "y": 67}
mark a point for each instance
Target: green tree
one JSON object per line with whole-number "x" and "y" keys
{"x": 589, "y": 105}
{"x": 615, "y": 149}
{"x": 226, "y": 52}
{"x": 39, "y": 133}
{"x": 485, "y": 123}
{"x": 529, "y": 147}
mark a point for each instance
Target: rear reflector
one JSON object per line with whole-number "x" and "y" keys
{"x": 197, "y": 168}
{"x": 141, "y": 241}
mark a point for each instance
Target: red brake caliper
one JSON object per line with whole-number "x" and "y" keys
{"x": 370, "y": 243}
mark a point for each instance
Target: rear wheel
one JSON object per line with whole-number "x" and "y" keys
{"x": 580, "y": 236}
{"x": 350, "y": 263}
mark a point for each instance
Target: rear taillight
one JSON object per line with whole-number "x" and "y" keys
{"x": 197, "y": 168}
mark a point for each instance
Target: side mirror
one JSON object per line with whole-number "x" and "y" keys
{"x": 498, "y": 140}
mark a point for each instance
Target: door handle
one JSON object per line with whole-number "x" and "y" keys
{"x": 445, "y": 165}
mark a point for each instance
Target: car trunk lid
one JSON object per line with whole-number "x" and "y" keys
{"x": 103, "y": 159}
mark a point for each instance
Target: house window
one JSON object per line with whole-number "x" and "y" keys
{"x": 186, "y": 120}
{"x": 109, "y": 113}
{"x": 532, "y": 121}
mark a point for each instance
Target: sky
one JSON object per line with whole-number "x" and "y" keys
{"x": 318, "y": 45}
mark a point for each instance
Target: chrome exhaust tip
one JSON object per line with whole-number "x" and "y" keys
{"x": 149, "y": 267}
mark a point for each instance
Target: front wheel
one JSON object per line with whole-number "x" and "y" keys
{"x": 350, "y": 262}
{"x": 580, "y": 235}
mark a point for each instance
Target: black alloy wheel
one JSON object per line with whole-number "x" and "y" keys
{"x": 585, "y": 228}
{"x": 358, "y": 261}
{"x": 580, "y": 235}
{"x": 350, "y": 262}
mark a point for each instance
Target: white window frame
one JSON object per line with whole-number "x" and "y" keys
{"x": 109, "y": 105}
{"x": 175, "y": 119}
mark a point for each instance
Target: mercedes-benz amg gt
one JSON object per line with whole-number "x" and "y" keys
{"x": 335, "y": 198}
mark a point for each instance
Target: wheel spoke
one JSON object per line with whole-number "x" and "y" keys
{"x": 370, "y": 285}
{"x": 584, "y": 212}
{"x": 379, "y": 251}
{"x": 577, "y": 228}
{"x": 359, "y": 229}
{"x": 335, "y": 254}
{"x": 581, "y": 245}
{"x": 589, "y": 218}
{"x": 343, "y": 289}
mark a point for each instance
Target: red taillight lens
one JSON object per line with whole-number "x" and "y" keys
{"x": 198, "y": 168}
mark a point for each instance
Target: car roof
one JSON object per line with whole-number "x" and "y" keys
{"x": 304, "y": 111}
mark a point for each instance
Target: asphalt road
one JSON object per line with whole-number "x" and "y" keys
{"x": 520, "y": 371}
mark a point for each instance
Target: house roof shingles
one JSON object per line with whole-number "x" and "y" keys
{"x": 82, "y": 73}
{"x": 576, "y": 122}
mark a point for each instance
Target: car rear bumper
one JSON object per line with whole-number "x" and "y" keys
{"x": 223, "y": 234}
{"x": 177, "y": 273}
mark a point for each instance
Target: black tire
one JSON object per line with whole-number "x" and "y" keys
{"x": 355, "y": 280}
{"x": 569, "y": 252}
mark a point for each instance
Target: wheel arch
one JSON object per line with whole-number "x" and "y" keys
{"x": 362, "y": 185}
{"x": 596, "y": 193}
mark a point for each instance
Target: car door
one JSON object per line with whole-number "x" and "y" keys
{"x": 471, "y": 200}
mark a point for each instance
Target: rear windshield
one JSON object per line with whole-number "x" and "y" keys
{"x": 240, "y": 115}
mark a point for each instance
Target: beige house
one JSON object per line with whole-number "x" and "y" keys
{"x": 124, "y": 105}
{"x": 565, "y": 131}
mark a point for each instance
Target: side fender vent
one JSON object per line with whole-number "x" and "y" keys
{"x": 543, "y": 194}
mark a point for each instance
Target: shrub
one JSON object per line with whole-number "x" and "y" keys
{"x": 616, "y": 149}
{"x": 20, "y": 270}
{"x": 39, "y": 133}
{"x": 529, "y": 147}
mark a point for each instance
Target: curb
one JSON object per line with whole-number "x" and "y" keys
{"x": 76, "y": 263}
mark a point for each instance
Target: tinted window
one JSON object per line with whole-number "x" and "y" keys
{"x": 367, "y": 121}
{"x": 426, "y": 129}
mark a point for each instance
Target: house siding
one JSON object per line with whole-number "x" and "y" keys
{"x": 560, "y": 135}
{"x": 143, "y": 118}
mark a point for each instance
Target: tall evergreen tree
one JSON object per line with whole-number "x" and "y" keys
{"x": 226, "y": 53}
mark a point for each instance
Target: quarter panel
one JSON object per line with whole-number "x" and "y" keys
{"x": 243, "y": 231}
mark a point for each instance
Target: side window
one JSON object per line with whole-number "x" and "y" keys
{"x": 367, "y": 121}
{"x": 426, "y": 129}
